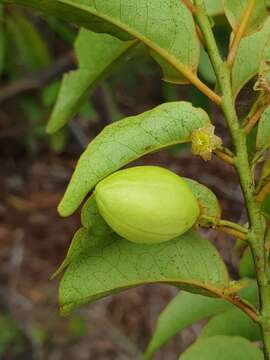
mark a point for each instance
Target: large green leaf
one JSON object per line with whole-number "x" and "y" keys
{"x": 235, "y": 9}
{"x": 248, "y": 58}
{"x": 232, "y": 323}
{"x": 263, "y": 133}
{"x": 106, "y": 265}
{"x": 96, "y": 54}
{"x": 186, "y": 309}
{"x": 127, "y": 140}
{"x": 166, "y": 27}
{"x": 223, "y": 348}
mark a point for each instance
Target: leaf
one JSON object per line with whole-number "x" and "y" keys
{"x": 233, "y": 322}
{"x": 235, "y": 9}
{"x": 263, "y": 133}
{"x": 246, "y": 266}
{"x": 223, "y": 348}
{"x": 214, "y": 7}
{"x": 114, "y": 264}
{"x": 184, "y": 310}
{"x": 91, "y": 218}
{"x": 263, "y": 82}
{"x": 32, "y": 49}
{"x": 96, "y": 54}
{"x": 127, "y": 140}
{"x": 247, "y": 61}
{"x": 208, "y": 201}
{"x": 166, "y": 27}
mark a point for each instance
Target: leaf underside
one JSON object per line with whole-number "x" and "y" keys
{"x": 127, "y": 140}
{"x": 263, "y": 133}
{"x": 99, "y": 266}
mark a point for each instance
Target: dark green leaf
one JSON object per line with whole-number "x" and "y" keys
{"x": 96, "y": 54}
{"x": 223, "y": 348}
{"x": 99, "y": 267}
{"x": 129, "y": 139}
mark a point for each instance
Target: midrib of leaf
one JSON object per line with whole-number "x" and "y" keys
{"x": 214, "y": 291}
{"x": 171, "y": 60}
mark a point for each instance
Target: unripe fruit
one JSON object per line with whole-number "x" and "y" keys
{"x": 147, "y": 204}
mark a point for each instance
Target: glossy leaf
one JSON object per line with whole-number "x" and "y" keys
{"x": 263, "y": 133}
{"x": 223, "y": 348}
{"x": 184, "y": 310}
{"x": 248, "y": 58}
{"x": 129, "y": 139}
{"x": 208, "y": 201}
{"x": 96, "y": 54}
{"x": 109, "y": 265}
{"x": 233, "y": 322}
{"x": 166, "y": 27}
{"x": 235, "y": 9}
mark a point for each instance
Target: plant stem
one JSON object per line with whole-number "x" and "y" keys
{"x": 256, "y": 234}
{"x": 240, "y": 31}
{"x": 225, "y": 157}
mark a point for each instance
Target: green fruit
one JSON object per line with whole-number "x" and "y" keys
{"x": 147, "y": 204}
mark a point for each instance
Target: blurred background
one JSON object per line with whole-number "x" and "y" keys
{"x": 35, "y": 169}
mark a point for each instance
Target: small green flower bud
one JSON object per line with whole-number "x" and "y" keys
{"x": 147, "y": 204}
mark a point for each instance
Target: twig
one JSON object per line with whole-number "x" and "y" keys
{"x": 37, "y": 80}
{"x": 263, "y": 192}
{"x": 223, "y": 156}
{"x": 190, "y": 6}
{"x": 240, "y": 31}
{"x": 253, "y": 120}
{"x": 234, "y": 233}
